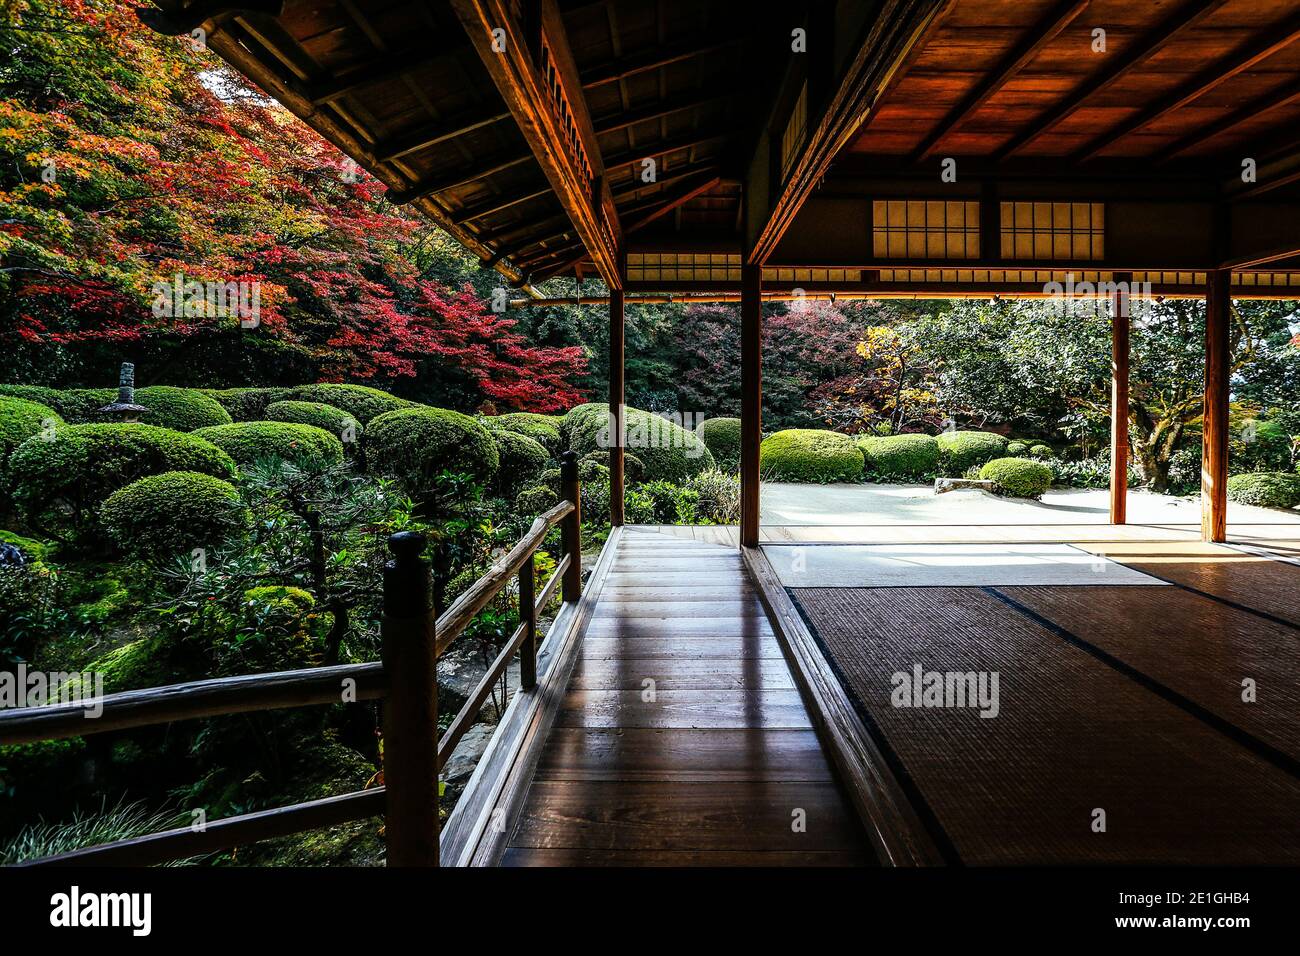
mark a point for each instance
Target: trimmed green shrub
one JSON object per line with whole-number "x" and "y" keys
{"x": 721, "y": 437}
{"x": 173, "y": 512}
{"x": 415, "y": 444}
{"x": 633, "y": 467}
{"x": 247, "y": 442}
{"x": 76, "y": 406}
{"x": 669, "y": 503}
{"x": 21, "y": 419}
{"x": 1016, "y": 448}
{"x": 248, "y": 404}
{"x": 718, "y": 495}
{"x": 536, "y": 500}
{"x": 540, "y": 428}
{"x": 1265, "y": 489}
{"x": 360, "y": 401}
{"x": 182, "y": 409}
{"x": 893, "y": 457}
{"x": 959, "y": 451}
{"x": 810, "y": 455}
{"x": 1041, "y": 450}
{"x": 1260, "y": 446}
{"x": 325, "y": 417}
{"x": 520, "y": 461}
{"x": 668, "y": 451}
{"x": 1017, "y": 477}
{"x": 60, "y": 483}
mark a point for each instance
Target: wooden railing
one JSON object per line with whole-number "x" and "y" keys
{"x": 405, "y": 680}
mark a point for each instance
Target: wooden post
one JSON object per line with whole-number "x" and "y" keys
{"x": 528, "y": 618}
{"x": 751, "y": 399}
{"x": 1120, "y": 325}
{"x": 1214, "y": 446}
{"x": 571, "y": 527}
{"x": 411, "y": 707}
{"x": 617, "y": 399}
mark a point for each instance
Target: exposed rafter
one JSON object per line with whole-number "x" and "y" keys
{"x": 1287, "y": 95}
{"x": 625, "y": 118}
{"x": 1275, "y": 39}
{"x": 634, "y": 186}
{"x": 661, "y": 56}
{"x": 194, "y": 15}
{"x": 685, "y": 192}
{"x": 433, "y": 134}
{"x": 388, "y": 67}
{"x": 463, "y": 177}
{"x": 1131, "y": 56}
{"x": 1041, "y": 34}
{"x": 495, "y": 204}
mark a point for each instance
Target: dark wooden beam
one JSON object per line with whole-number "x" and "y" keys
{"x": 386, "y": 151}
{"x": 513, "y": 252}
{"x": 1284, "y": 96}
{"x": 184, "y": 19}
{"x": 1120, "y": 326}
{"x": 751, "y": 399}
{"x": 494, "y": 204}
{"x": 680, "y": 104}
{"x": 633, "y": 186}
{"x": 654, "y": 59}
{"x": 464, "y": 177}
{"x": 390, "y": 66}
{"x": 684, "y": 194}
{"x": 1131, "y": 56}
{"x": 1272, "y": 41}
{"x": 1038, "y": 36}
{"x": 651, "y": 150}
{"x": 1214, "y": 430}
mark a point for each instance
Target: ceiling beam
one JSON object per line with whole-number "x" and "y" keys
{"x": 1038, "y": 36}
{"x": 386, "y": 151}
{"x": 495, "y": 204}
{"x": 462, "y": 177}
{"x": 625, "y": 118}
{"x": 1272, "y": 41}
{"x": 390, "y": 66}
{"x": 663, "y": 148}
{"x": 1130, "y": 56}
{"x": 534, "y": 72}
{"x": 684, "y": 194}
{"x": 634, "y": 186}
{"x": 1287, "y": 95}
{"x": 185, "y": 19}
{"x": 654, "y": 59}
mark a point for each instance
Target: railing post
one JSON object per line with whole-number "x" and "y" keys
{"x": 571, "y": 527}
{"x": 528, "y": 618}
{"x": 411, "y": 707}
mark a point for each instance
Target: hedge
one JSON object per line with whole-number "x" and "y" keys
{"x": 248, "y": 404}
{"x": 1265, "y": 489}
{"x": 360, "y": 401}
{"x": 184, "y": 409}
{"x": 21, "y": 419}
{"x": 959, "y": 451}
{"x": 416, "y": 444}
{"x": 667, "y": 451}
{"x": 535, "y": 501}
{"x": 173, "y": 512}
{"x": 247, "y": 442}
{"x": 721, "y": 437}
{"x": 1017, "y": 477}
{"x": 520, "y": 461}
{"x": 810, "y": 455}
{"x": 60, "y": 483}
{"x": 540, "y": 428}
{"x": 76, "y": 406}
{"x": 892, "y": 457}
{"x": 336, "y": 421}
{"x": 633, "y": 467}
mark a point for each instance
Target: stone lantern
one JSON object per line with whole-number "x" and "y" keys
{"x": 125, "y": 409}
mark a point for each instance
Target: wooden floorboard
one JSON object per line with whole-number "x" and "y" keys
{"x": 682, "y": 738}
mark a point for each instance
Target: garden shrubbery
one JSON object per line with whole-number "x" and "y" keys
{"x": 543, "y": 429}
{"x": 520, "y": 461}
{"x": 248, "y": 404}
{"x": 535, "y": 500}
{"x": 810, "y": 455}
{"x": 182, "y": 409}
{"x": 76, "y": 406}
{"x": 1017, "y": 477}
{"x": 1265, "y": 489}
{"x": 20, "y": 420}
{"x": 717, "y": 495}
{"x": 360, "y": 401}
{"x": 894, "y": 457}
{"x": 247, "y": 442}
{"x": 961, "y": 451}
{"x": 668, "y": 451}
{"x": 416, "y": 444}
{"x": 721, "y": 437}
{"x": 325, "y": 417}
{"x": 165, "y": 514}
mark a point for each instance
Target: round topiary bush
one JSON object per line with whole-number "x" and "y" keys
{"x": 633, "y": 467}
{"x": 336, "y": 421}
{"x": 416, "y": 444}
{"x": 900, "y": 457}
{"x": 19, "y": 421}
{"x": 60, "y": 482}
{"x": 960, "y": 451}
{"x": 540, "y": 428}
{"x": 76, "y": 406}
{"x": 668, "y": 451}
{"x": 810, "y": 455}
{"x": 247, "y": 404}
{"x": 360, "y": 401}
{"x": 1016, "y": 448}
{"x": 247, "y": 442}
{"x": 166, "y": 514}
{"x": 183, "y": 409}
{"x": 520, "y": 461}
{"x": 1017, "y": 477}
{"x": 1265, "y": 489}
{"x": 535, "y": 500}
{"x": 1041, "y": 450}
{"x": 721, "y": 437}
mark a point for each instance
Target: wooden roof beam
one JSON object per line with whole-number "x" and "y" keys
{"x": 438, "y": 184}
{"x": 188, "y": 18}
{"x": 432, "y": 134}
{"x": 1038, "y": 36}
{"x": 390, "y": 66}
{"x": 623, "y": 119}
{"x": 1275, "y": 39}
{"x": 1131, "y": 56}
{"x": 684, "y": 194}
{"x": 548, "y": 104}
{"x": 654, "y": 59}
{"x": 634, "y": 186}
{"x": 500, "y": 203}
{"x": 1287, "y": 95}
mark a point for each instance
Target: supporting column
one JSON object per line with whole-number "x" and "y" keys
{"x": 1119, "y": 410}
{"x": 617, "y": 401}
{"x": 1214, "y": 447}
{"x": 751, "y": 399}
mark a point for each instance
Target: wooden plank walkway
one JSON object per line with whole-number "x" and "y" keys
{"x": 681, "y": 739}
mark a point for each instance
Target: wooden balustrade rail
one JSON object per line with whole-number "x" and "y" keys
{"x": 406, "y": 681}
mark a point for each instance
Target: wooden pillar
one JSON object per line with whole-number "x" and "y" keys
{"x": 1120, "y": 324}
{"x": 617, "y": 400}
{"x": 1214, "y": 447}
{"x": 411, "y": 706}
{"x": 751, "y": 399}
{"x": 571, "y": 527}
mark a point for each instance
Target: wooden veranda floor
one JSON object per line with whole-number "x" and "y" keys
{"x": 680, "y": 738}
